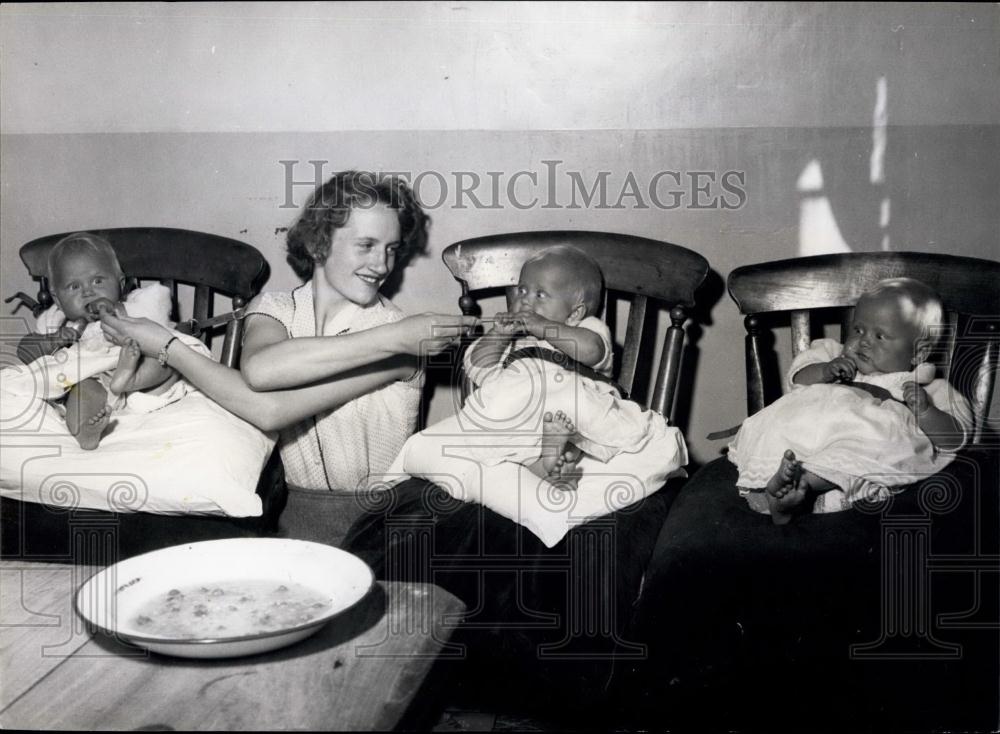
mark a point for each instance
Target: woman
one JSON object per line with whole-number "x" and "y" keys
{"x": 331, "y": 364}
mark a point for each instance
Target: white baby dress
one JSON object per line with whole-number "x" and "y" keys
{"x": 511, "y": 401}
{"x": 864, "y": 445}
{"x": 479, "y": 454}
{"x": 95, "y": 356}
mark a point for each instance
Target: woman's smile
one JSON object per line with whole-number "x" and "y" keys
{"x": 362, "y": 254}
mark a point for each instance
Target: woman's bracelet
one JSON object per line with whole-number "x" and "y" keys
{"x": 161, "y": 356}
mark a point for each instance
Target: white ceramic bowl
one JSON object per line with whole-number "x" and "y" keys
{"x": 111, "y": 598}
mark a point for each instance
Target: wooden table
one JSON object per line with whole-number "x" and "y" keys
{"x": 358, "y": 672}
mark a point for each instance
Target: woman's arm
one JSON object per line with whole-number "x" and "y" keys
{"x": 268, "y": 411}
{"x": 278, "y": 408}
{"x": 270, "y": 360}
{"x": 146, "y": 375}
{"x": 275, "y": 409}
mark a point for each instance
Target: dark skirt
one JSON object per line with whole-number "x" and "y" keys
{"x": 836, "y": 621}
{"x": 541, "y": 623}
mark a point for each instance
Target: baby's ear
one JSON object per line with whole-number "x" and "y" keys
{"x": 922, "y": 349}
{"x": 577, "y": 315}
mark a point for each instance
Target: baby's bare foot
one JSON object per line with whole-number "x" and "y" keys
{"x": 556, "y": 432}
{"x": 91, "y": 429}
{"x": 128, "y": 361}
{"x": 557, "y": 450}
{"x": 786, "y": 490}
{"x": 566, "y": 468}
{"x": 786, "y": 477}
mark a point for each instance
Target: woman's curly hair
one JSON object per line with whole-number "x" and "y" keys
{"x": 329, "y": 208}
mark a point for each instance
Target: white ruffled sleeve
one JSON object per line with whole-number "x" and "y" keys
{"x": 594, "y": 324}
{"x": 819, "y": 351}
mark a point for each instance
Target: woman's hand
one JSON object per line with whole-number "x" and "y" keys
{"x": 430, "y": 333}
{"x": 149, "y": 335}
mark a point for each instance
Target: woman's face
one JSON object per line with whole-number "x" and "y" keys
{"x": 362, "y": 254}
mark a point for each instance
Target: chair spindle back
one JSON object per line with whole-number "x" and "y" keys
{"x": 967, "y": 286}
{"x": 643, "y": 268}
{"x": 209, "y": 263}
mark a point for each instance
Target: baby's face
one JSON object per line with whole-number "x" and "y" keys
{"x": 543, "y": 289}
{"x": 81, "y": 278}
{"x": 881, "y": 339}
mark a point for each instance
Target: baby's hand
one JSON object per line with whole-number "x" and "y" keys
{"x": 71, "y": 331}
{"x": 534, "y": 324}
{"x": 101, "y": 305}
{"x": 916, "y": 398}
{"x": 506, "y": 323}
{"x": 841, "y": 369}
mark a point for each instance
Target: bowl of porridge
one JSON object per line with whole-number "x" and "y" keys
{"x": 224, "y": 598}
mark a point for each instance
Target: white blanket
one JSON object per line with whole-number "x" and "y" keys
{"x": 869, "y": 447}
{"x": 442, "y": 454}
{"x": 189, "y": 457}
{"x": 479, "y": 455}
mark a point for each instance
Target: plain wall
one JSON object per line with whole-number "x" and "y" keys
{"x": 178, "y": 115}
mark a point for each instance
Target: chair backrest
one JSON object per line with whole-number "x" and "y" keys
{"x": 640, "y": 267}
{"x": 209, "y": 263}
{"x": 967, "y": 286}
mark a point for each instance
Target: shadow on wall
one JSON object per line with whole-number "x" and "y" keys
{"x": 819, "y": 232}
{"x": 712, "y": 290}
{"x": 707, "y": 297}
{"x": 906, "y": 188}
{"x": 899, "y": 188}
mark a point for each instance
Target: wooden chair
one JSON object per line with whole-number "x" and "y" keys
{"x": 967, "y": 286}
{"x": 209, "y": 263}
{"x": 823, "y": 602}
{"x": 638, "y": 267}
{"x": 586, "y": 584}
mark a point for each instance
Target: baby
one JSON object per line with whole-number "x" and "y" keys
{"x": 86, "y": 279}
{"x": 862, "y": 417}
{"x": 546, "y": 364}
